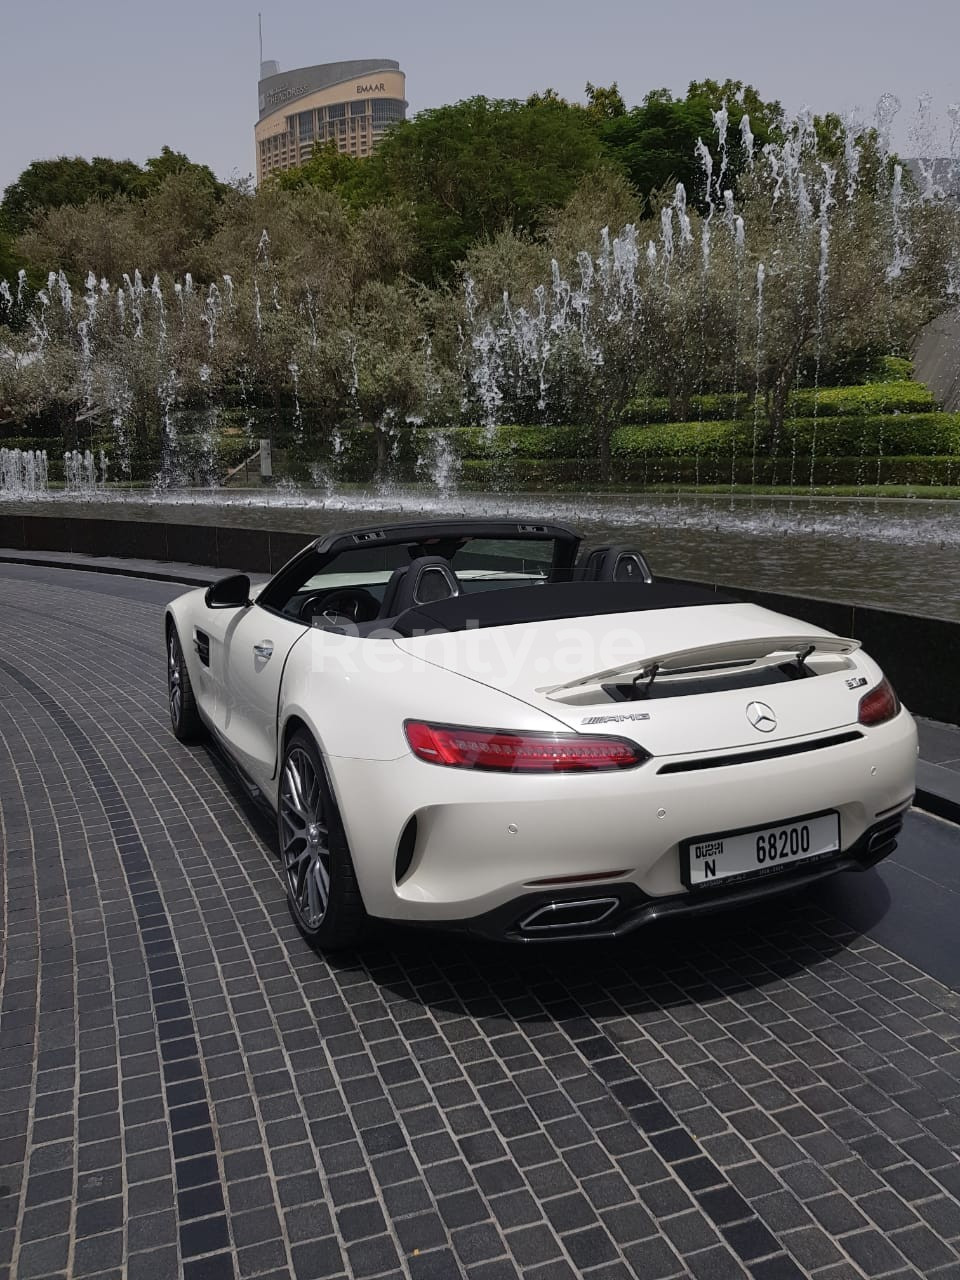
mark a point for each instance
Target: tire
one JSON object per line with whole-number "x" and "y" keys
{"x": 184, "y": 716}
{"x": 322, "y": 890}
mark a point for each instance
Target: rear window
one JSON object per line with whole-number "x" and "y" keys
{"x": 502, "y": 559}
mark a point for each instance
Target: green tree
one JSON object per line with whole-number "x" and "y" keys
{"x": 9, "y": 262}
{"x": 170, "y": 163}
{"x": 50, "y": 184}
{"x": 605, "y": 104}
{"x": 766, "y": 118}
{"x": 164, "y": 231}
{"x": 377, "y": 355}
{"x": 72, "y": 181}
{"x": 328, "y": 169}
{"x": 472, "y": 169}
{"x": 655, "y": 143}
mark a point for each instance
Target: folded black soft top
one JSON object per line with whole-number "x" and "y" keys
{"x": 513, "y": 606}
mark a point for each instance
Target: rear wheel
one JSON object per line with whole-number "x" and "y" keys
{"x": 184, "y": 716}
{"x": 322, "y": 887}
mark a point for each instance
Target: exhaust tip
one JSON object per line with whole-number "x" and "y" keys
{"x": 882, "y": 842}
{"x": 578, "y": 913}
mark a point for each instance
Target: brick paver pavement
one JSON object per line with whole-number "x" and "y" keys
{"x": 187, "y": 1090}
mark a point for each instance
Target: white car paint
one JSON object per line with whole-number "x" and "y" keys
{"x": 483, "y": 837}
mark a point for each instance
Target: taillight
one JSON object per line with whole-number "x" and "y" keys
{"x": 461, "y": 747}
{"x": 879, "y": 704}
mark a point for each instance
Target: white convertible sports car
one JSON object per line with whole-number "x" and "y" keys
{"x": 476, "y": 724}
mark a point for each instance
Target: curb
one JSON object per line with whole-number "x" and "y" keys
{"x": 938, "y": 791}
{"x": 190, "y": 577}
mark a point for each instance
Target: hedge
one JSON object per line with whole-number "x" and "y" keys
{"x": 667, "y": 438}
{"x": 689, "y": 469}
{"x": 865, "y": 398}
{"x": 710, "y": 407}
{"x": 891, "y": 369}
{"x": 824, "y": 470}
{"x": 893, "y": 433}
{"x": 523, "y": 442}
{"x": 903, "y": 433}
{"x": 899, "y": 433}
{"x": 891, "y": 390}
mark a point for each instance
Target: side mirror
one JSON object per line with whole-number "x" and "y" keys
{"x": 228, "y": 593}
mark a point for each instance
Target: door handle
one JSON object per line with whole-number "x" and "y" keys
{"x": 264, "y": 649}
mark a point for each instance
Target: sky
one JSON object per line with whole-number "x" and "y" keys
{"x": 122, "y": 78}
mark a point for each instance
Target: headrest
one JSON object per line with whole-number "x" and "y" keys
{"x": 423, "y": 581}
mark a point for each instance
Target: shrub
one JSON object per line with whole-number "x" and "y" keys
{"x": 890, "y": 390}
{"x": 712, "y": 406}
{"x": 893, "y": 433}
{"x": 680, "y": 438}
{"x": 915, "y": 434}
{"x": 867, "y": 398}
{"x": 698, "y": 469}
{"x": 877, "y": 434}
{"x": 825, "y": 471}
{"x": 891, "y": 369}
{"x": 523, "y": 442}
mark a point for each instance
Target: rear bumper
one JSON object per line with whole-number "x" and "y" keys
{"x": 435, "y": 845}
{"x": 622, "y": 908}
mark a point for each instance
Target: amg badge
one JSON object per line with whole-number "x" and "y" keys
{"x": 622, "y": 719}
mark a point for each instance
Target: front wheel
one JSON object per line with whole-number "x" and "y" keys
{"x": 322, "y": 887}
{"x": 184, "y": 716}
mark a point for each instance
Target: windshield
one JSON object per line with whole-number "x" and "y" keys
{"x": 475, "y": 561}
{"x": 480, "y": 564}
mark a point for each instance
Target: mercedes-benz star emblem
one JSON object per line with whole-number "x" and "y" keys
{"x": 761, "y": 717}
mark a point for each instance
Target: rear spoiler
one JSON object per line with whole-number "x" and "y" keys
{"x": 710, "y": 656}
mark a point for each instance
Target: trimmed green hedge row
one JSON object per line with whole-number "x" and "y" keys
{"x": 891, "y": 369}
{"x": 894, "y": 433}
{"x": 522, "y": 442}
{"x": 897, "y": 433}
{"x": 689, "y": 469}
{"x": 668, "y": 438}
{"x": 867, "y": 398}
{"x": 893, "y": 392}
{"x": 706, "y": 408}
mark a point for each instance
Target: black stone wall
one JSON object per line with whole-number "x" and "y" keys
{"x": 221, "y": 547}
{"x": 920, "y": 655}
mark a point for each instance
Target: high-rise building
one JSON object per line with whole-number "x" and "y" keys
{"x": 349, "y": 103}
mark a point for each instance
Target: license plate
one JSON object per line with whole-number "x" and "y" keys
{"x": 760, "y": 851}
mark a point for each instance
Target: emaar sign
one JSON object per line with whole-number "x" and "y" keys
{"x": 372, "y": 88}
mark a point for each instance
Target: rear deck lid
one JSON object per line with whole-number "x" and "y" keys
{"x": 570, "y": 669}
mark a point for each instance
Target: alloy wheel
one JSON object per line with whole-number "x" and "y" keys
{"x": 175, "y": 677}
{"x": 304, "y": 838}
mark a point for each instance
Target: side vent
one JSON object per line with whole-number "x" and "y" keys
{"x": 201, "y": 642}
{"x": 405, "y": 849}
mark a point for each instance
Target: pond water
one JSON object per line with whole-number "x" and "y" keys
{"x": 898, "y": 554}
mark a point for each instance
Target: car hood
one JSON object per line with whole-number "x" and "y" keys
{"x": 560, "y": 668}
